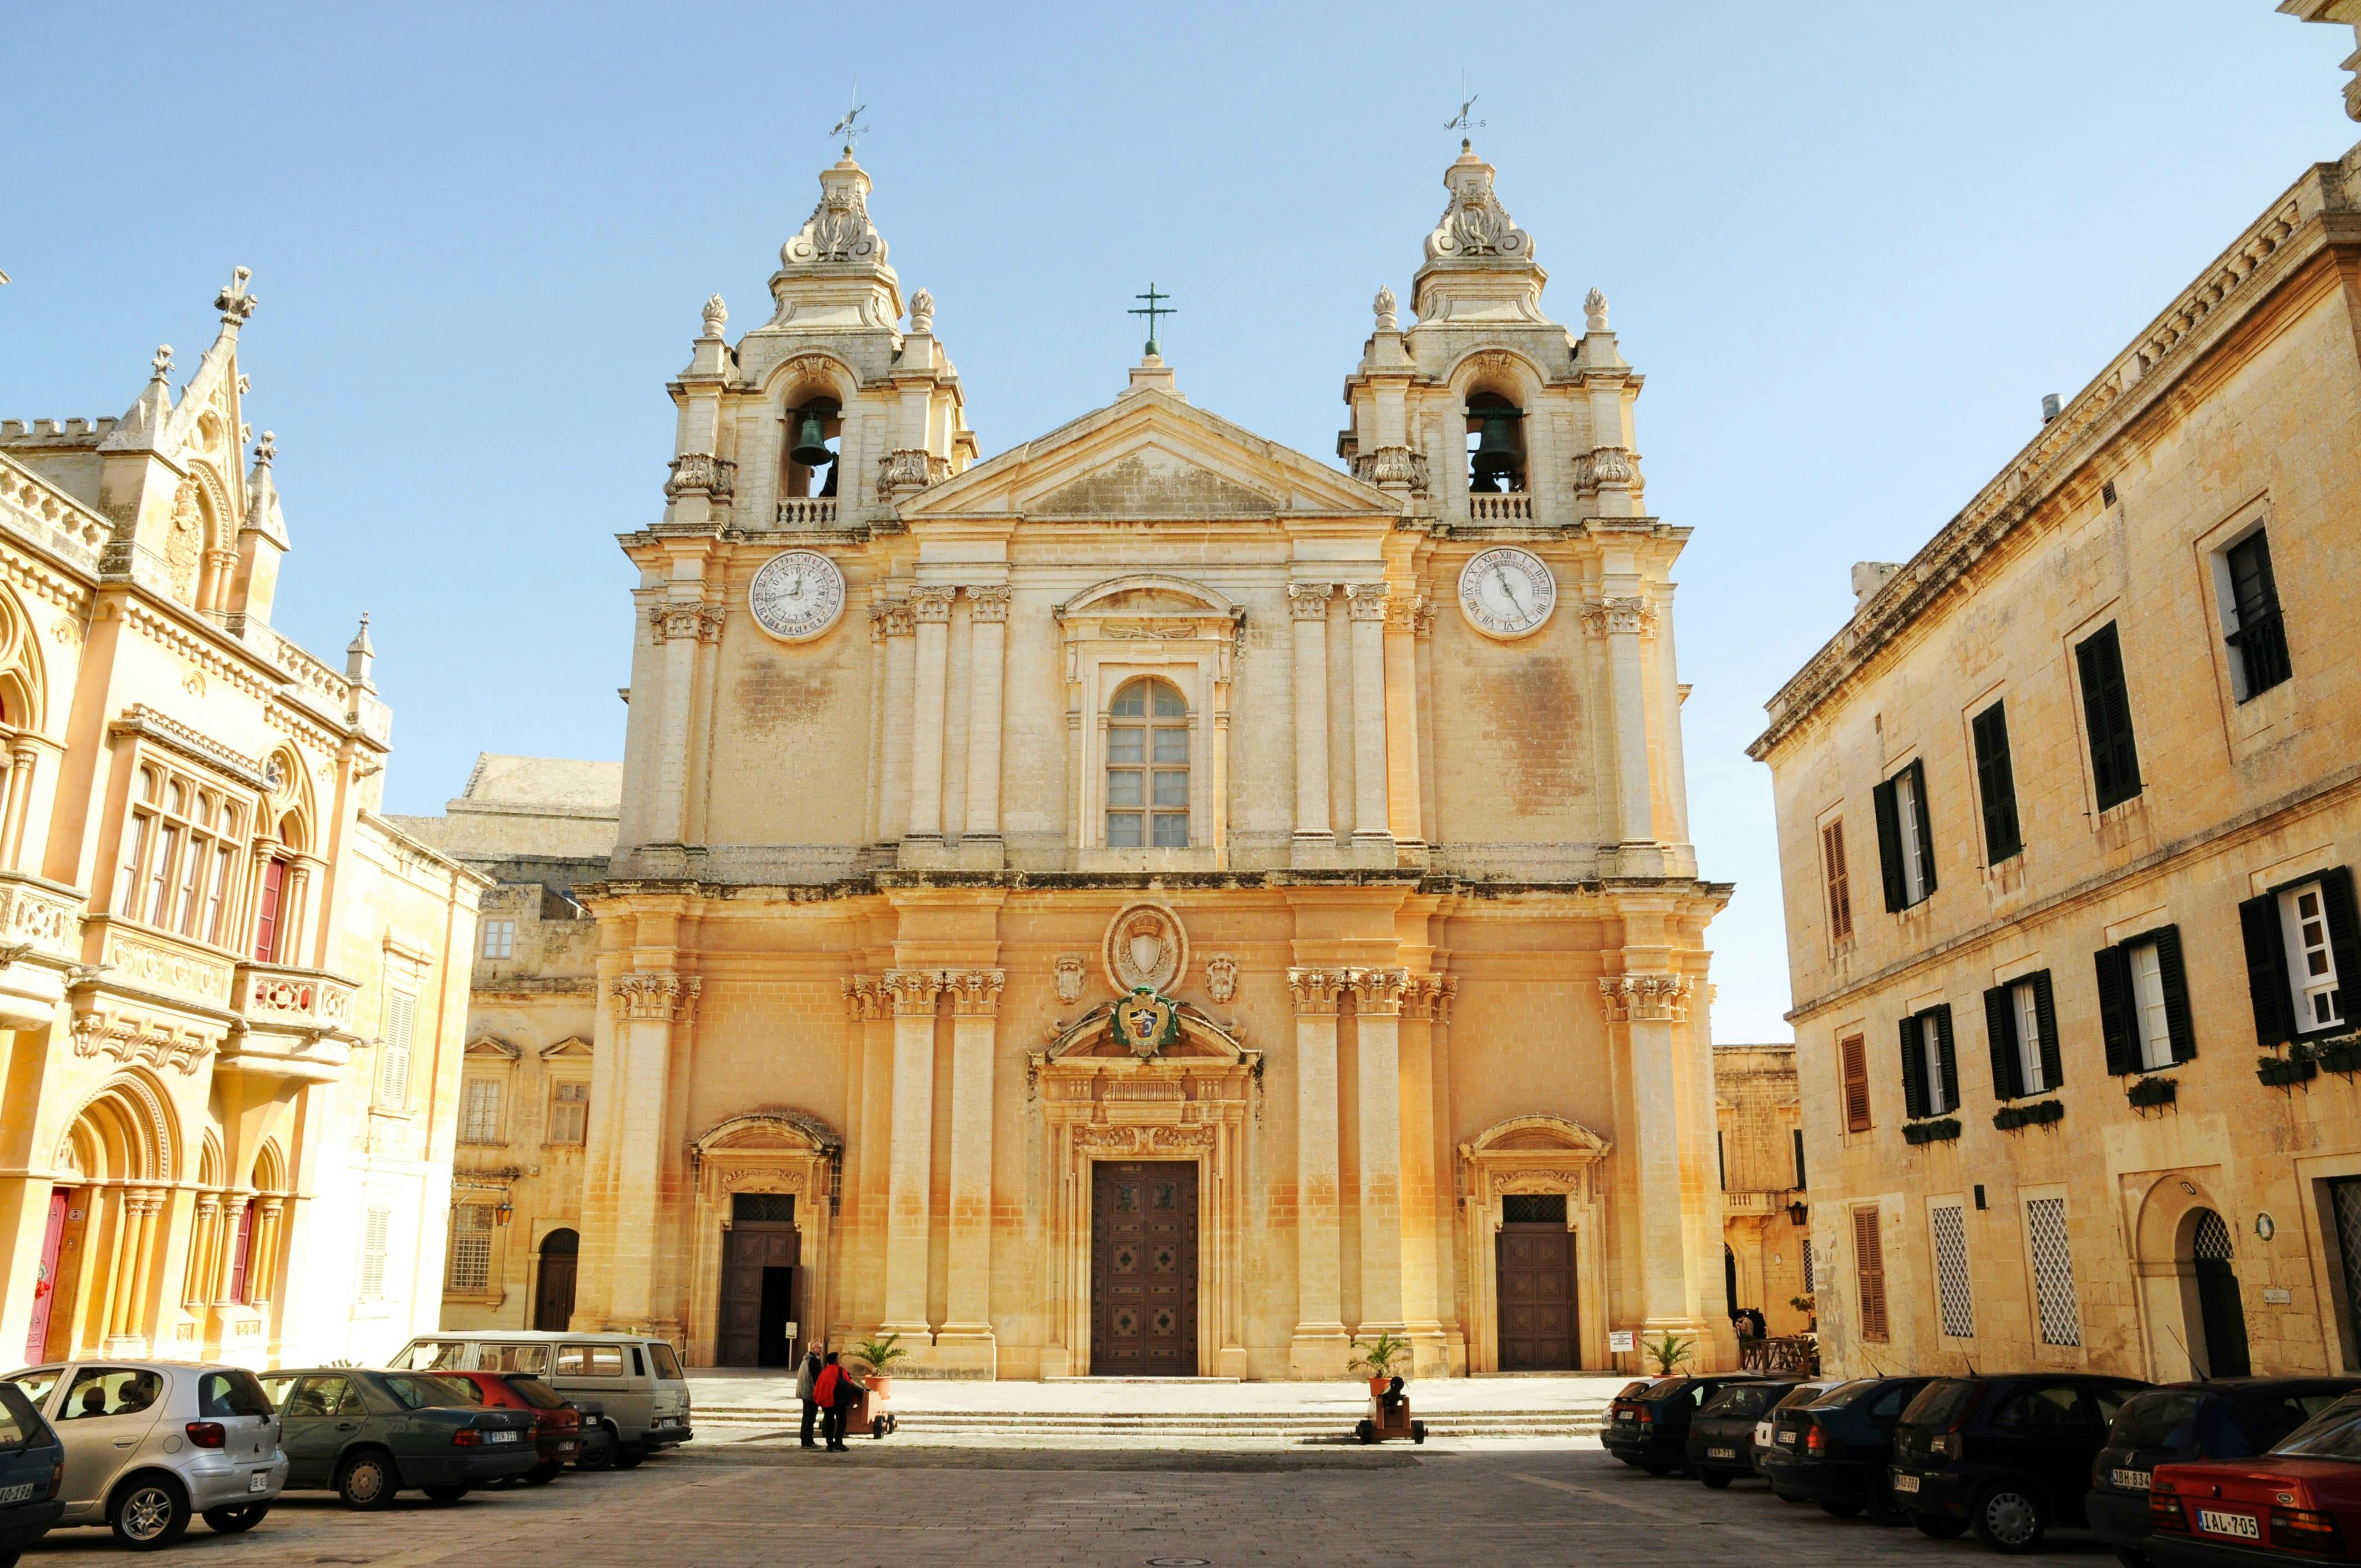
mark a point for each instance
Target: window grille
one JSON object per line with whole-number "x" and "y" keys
{"x": 762, "y": 1208}
{"x": 1809, "y": 1286}
{"x": 2213, "y": 1238}
{"x": 1952, "y": 1292}
{"x": 1533, "y": 1208}
{"x": 2053, "y": 1271}
{"x": 2345, "y": 1198}
{"x": 373, "y": 1236}
{"x": 471, "y": 1247}
{"x": 479, "y": 1118}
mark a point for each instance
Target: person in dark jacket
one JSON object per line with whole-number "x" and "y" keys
{"x": 838, "y": 1391}
{"x": 805, "y": 1377}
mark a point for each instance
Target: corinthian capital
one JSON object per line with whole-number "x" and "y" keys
{"x": 1309, "y": 601}
{"x": 1377, "y": 993}
{"x": 975, "y": 993}
{"x": 1365, "y": 601}
{"x": 932, "y": 603}
{"x": 655, "y": 998}
{"x": 1646, "y": 998}
{"x": 911, "y": 992}
{"x": 862, "y": 998}
{"x": 1316, "y": 990}
{"x": 989, "y": 602}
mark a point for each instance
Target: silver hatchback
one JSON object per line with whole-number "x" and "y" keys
{"x": 150, "y": 1444}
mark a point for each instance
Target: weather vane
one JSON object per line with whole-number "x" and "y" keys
{"x": 1464, "y": 121}
{"x": 848, "y": 128}
{"x": 1154, "y": 308}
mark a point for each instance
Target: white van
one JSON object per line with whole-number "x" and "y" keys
{"x": 638, "y": 1379}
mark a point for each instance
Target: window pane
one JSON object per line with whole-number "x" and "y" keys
{"x": 212, "y": 925}
{"x": 2147, "y": 997}
{"x": 1172, "y": 745}
{"x": 1123, "y": 830}
{"x": 1129, "y": 703}
{"x": 2029, "y": 1037}
{"x": 160, "y": 876}
{"x": 1172, "y": 788}
{"x": 1171, "y": 830}
{"x": 1126, "y": 745}
{"x": 1169, "y": 704}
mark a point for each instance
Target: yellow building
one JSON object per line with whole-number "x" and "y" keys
{"x": 2067, "y": 813}
{"x": 229, "y": 1026}
{"x": 1148, "y": 901}
{"x": 1766, "y": 1242}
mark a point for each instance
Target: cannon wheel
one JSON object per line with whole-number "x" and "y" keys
{"x": 1417, "y": 1431}
{"x": 1365, "y": 1432}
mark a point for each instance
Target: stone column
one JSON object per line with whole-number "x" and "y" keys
{"x": 1365, "y": 605}
{"x": 235, "y": 1208}
{"x": 143, "y": 1207}
{"x": 911, "y": 993}
{"x": 900, "y": 622}
{"x": 1318, "y": 1348}
{"x": 1621, "y": 620}
{"x": 1649, "y": 1006}
{"x": 1377, "y": 1031}
{"x": 295, "y": 913}
{"x": 647, "y": 1006}
{"x": 262, "y": 1250}
{"x": 967, "y": 1306}
{"x": 23, "y": 757}
{"x": 674, "y": 626}
{"x": 1308, "y": 602}
{"x": 933, "y": 608}
{"x": 204, "y": 1251}
{"x": 988, "y": 626}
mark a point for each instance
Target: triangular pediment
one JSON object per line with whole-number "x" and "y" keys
{"x": 1151, "y": 456}
{"x": 573, "y": 1046}
{"x": 492, "y": 1047}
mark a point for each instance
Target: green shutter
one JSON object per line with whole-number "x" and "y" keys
{"x": 1999, "y": 1032}
{"x": 1942, "y": 1016}
{"x": 2045, "y": 1018}
{"x": 2168, "y": 968}
{"x": 1917, "y": 772}
{"x": 1913, "y": 1087}
{"x": 1889, "y": 845}
{"x": 2115, "y": 1026}
{"x": 2107, "y": 712}
{"x": 2267, "y": 970}
{"x": 1996, "y": 782}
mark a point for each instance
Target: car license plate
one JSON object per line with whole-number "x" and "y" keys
{"x": 23, "y": 1494}
{"x": 2245, "y": 1526}
{"x": 2129, "y": 1480}
{"x": 499, "y": 1437}
{"x": 565, "y": 1447}
{"x": 1905, "y": 1483}
{"x": 1787, "y": 1439}
{"x": 1721, "y": 1453}
{"x": 258, "y": 1482}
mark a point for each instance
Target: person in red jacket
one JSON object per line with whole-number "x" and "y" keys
{"x": 835, "y": 1392}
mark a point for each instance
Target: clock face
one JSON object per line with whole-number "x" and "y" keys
{"x": 798, "y": 594}
{"x": 1507, "y": 592}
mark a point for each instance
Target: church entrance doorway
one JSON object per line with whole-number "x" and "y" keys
{"x": 553, "y": 1305}
{"x": 1534, "y": 1258}
{"x": 2219, "y": 1341}
{"x": 759, "y": 1254}
{"x": 1144, "y": 1268}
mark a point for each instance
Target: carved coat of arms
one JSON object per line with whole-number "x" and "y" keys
{"x": 1147, "y": 1023}
{"x": 1144, "y": 946}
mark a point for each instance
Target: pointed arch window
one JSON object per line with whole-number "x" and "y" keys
{"x": 1147, "y": 767}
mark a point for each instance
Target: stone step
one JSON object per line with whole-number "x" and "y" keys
{"x": 1063, "y": 1423}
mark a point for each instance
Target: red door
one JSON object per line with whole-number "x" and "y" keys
{"x": 266, "y": 919}
{"x": 44, "y": 1282}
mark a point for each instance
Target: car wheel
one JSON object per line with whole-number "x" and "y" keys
{"x": 598, "y": 1455}
{"x": 236, "y": 1519}
{"x": 2008, "y": 1517}
{"x": 149, "y": 1513}
{"x": 1939, "y": 1527}
{"x": 1716, "y": 1479}
{"x": 628, "y": 1455}
{"x": 445, "y": 1494}
{"x": 542, "y": 1474}
{"x": 1658, "y": 1469}
{"x": 368, "y": 1481}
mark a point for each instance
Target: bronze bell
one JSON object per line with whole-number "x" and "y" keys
{"x": 1495, "y": 461}
{"x": 811, "y": 444}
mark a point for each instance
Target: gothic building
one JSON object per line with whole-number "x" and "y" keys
{"x": 1151, "y": 900}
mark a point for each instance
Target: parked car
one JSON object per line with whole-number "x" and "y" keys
{"x": 1648, "y": 1423}
{"x": 1798, "y": 1393}
{"x": 2007, "y": 1457}
{"x": 2301, "y": 1502}
{"x": 365, "y": 1435}
{"x": 595, "y": 1449}
{"x": 2227, "y": 1418}
{"x": 556, "y": 1425}
{"x": 32, "y": 1473}
{"x": 1720, "y": 1446}
{"x": 151, "y": 1444}
{"x": 637, "y": 1379}
{"x": 1833, "y": 1449}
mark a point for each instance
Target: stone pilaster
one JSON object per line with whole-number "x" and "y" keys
{"x": 1426, "y": 1213}
{"x": 1647, "y": 1007}
{"x": 1622, "y": 621}
{"x": 988, "y": 628}
{"x": 932, "y": 607}
{"x": 1308, "y": 605}
{"x": 1366, "y": 608}
{"x": 1405, "y": 798}
{"x": 677, "y": 627}
{"x": 1377, "y": 1035}
{"x": 965, "y": 1340}
{"x": 900, "y": 624}
{"x": 648, "y": 1006}
{"x": 912, "y": 995}
{"x": 1318, "y": 1347}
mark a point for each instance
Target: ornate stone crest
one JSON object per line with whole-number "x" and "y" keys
{"x": 1221, "y": 977}
{"x": 1145, "y": 1022}
{"x": 1475, "y": 223}
{"x": 1146, "y": 947}
{"x": 1069, "y": 977}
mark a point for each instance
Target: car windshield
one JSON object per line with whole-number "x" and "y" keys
{"x": 1633, "y": 1391}
{"x": 1666, "y": 1388}
{"x": 20, "y": 1424}
{"x": 417, "y": 1393}
{"x": 1838, "y": 1396}
{"x": 231, "y": 1392}
{"x": 667, "y": 1363}
{"x": 2166, "y": 1419}
{"x": 536, "y": 1393}
{"x": 1742, "y": 1401}
{"x": 1940, "y": 1403}
{"x": 2335, "y": 1433}
{"x": 434, "y": 1355}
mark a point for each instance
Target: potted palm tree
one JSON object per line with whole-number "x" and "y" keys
{"x": 1379, "y": 1359}
{"x": 878, "y": 1357}
{"x": 1669, "y": 1352}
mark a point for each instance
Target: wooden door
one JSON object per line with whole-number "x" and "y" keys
{"x": 1144, "y": 1268}
{"x": 1536, "y": 1295}
{"x": 747, "y": 1249}
{"x": 45, "y": 1281}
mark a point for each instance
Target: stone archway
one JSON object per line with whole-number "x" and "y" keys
{"x": 109, "y": 1212}
{"x": 2215, "y": 1318}
{"x": 2183, "y": 1263}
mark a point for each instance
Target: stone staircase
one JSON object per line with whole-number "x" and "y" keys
{"x": 740, "y": 1423}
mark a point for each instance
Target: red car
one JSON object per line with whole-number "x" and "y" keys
{"x": 2301, "y": 1502}
{"x": 557, "y": 1427}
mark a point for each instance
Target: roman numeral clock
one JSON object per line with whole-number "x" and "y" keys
{"x": 797, "y": 594}
{"x": 1507, "y": 592}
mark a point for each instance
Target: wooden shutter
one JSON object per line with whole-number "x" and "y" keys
{"x": 393, "y": 1075}
{"x": 1917, "y": 772}
{"x": 1869, "y": 1273}
{"x": 2168, "y": 968}
{"x": 2117, "y": 1028}
{"x": 1854, "y": 1055}
{"x": 1914, "y": 1070}
{"x": 2343, "y": 936}
{"x": 1996, "y": 783}
{"x": 1889, "y": 845}
{"x": 2267, "y": 970}
{"x": 2044, "y": 1017}
{"x": 1839, "y": 880}
{"x": 2107, "y": 711}
{"x": 2000, "y": 1033}
{"x": 1798, "y": 1133}
{"x": 266, "y": 917}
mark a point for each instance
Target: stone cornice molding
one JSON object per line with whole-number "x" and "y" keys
{"x": 1646, "y": 998}
{"x": 171, "y": 735}
{"x": 1317, "y": 990}
{"x": 660, "y": 998}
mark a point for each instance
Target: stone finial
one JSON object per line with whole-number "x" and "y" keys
{"x": 839, "y": 230}
{"x": 162, "y": 362}
{"x": 1384, "y": 306}
{"x": 1594, "y": 311}
{"x": 1475, "y": 226}
{"x": 234, "y": 303}
{"x": 922, "y": 311}
{"x": 268, "y": 450}
{"x": 715, "y": 313}
{"x": 359, "y": 655}
{"x": 1868, "y": 577}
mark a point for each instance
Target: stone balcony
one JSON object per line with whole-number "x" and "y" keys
{"x": 292, "y": 1023}
{"x": 40, "y": 938}
{"x": 1737, "y": 1205}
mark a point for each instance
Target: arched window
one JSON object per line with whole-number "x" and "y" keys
{"x": 1496, "y": 445}
{"x": 1148, "y": 768}
{"x": 815, "y": 441}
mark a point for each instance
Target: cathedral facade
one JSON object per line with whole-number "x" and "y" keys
{"x": 1151, "y": 901}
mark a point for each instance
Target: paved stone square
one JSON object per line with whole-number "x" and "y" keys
{"x": 884, "y": 1505}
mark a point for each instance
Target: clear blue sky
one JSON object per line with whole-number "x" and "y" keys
{"x": 1850, "y": 246}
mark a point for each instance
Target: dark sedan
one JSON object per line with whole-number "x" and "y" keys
{"x": 1833, "y": 1449}
{"x": 2006, "y": 1457}
{"x": 1648, "y": 1423}
{"x": 2227, "y": 1418}
{"x": 1720, "y": 1446}
{"x": 366, "y": 1435}
{"x": 32, "y": 1473}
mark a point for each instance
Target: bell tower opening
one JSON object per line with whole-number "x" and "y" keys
{"x": 1496, "y": 445}
{"x": 816, "y": 434}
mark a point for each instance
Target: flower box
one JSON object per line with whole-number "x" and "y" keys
{"x": 2041, "y": 1112}
{"x": 2340, "y": 1055}
{"x": 2150, "y": 1092}
{"x": 1932, "y": 1132}
{"x": 2285, "y": 1071}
